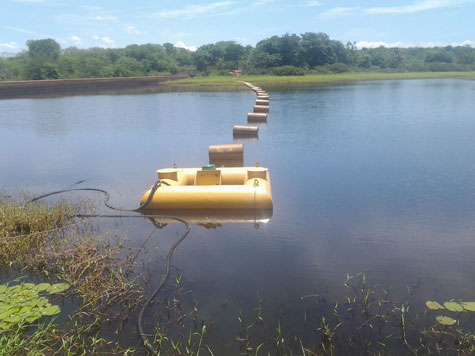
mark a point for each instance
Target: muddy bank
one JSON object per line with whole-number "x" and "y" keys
{"x": 65, "y": 87}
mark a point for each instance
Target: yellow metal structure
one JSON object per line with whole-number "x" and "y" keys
{"x": 239, "y": 188}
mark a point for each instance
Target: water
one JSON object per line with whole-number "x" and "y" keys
{"x": 375, "y": 177}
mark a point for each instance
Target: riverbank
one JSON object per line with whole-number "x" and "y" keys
{"x": 69, "y": 87}
{"x": 269, "y": 82}
{"x": 112, "y": 86}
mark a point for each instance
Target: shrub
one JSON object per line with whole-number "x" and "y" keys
{"x": 337, "y": 68}
{"x": 288, "y": 70}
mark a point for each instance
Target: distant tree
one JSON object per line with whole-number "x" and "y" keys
{"x": 183, "y": 57}
{"x": 169, "y": 48}
{"x": 464, "y": 55}
{"x": 128, "y": 67}
{"x": 378, "y": 59}
{"x": 438, "y": 55}
{"x": 364, "y": 61}
{"x": 45, "y": 50}
{"x": 286, "y": 47}
{"x": 318, "y": 49}
{"x": 265, "y": 60}
{"x": 202, "y": 58}
{"x": 233, "y": 52}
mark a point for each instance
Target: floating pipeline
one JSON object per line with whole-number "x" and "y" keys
{"x": 242, "y": 130}
{"x": 261, "y": 109}
{"x": 256, "y": 117}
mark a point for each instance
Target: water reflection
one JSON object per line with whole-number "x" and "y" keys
{"x": 244, "y": 139}
{"x": 209, "y": 219}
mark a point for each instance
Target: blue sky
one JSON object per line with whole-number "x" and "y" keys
{"x": 192, "y": 23}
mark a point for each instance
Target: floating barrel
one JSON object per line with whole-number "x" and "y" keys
{"x": 261, "y": 108}
{"x": 226, "y": 155}
{"x": 256, "y": 117}
{"x": 263, "y": 97}
{"x": 245, "y": 130}
{"x": 262, "y": 102}
{"x": 261, "y": 92}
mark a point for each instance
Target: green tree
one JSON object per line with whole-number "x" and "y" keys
{"x": 44, "y": 50}
{"x": 438, "y": 55}
{"x": 318, "y": 49}
{"x": 364, "y": 61}
{"x": 464, "y": 55}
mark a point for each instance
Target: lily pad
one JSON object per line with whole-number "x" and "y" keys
{"x": 42, "y": 287}
{"x": 469, "y": 306}
{"x": 28, "y": 285}
{"x": 434, "y": 305}
{"x": 445, "y": 320}
{"x": 453, "y": 306}
{"x": 58, "y": 288}
{"x": 51, "y": 310}
{"x": 22, "y": 303}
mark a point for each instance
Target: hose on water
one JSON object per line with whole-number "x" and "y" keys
{"x": 172, "y": 249}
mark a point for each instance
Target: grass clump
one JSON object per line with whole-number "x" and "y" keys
{"x": 25, "y": 228}
{"x": 50, "y": 242}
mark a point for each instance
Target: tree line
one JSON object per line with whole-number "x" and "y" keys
{"x": 289, "y": 54}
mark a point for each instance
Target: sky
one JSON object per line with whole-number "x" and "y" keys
{"x": 192, "y": 23}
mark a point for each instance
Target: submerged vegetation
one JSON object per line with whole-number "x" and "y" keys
{"x": 73, "y": 264}
{"x": 286, "y": 55}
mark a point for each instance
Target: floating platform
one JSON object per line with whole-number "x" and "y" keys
{"x": 234, "y": 188}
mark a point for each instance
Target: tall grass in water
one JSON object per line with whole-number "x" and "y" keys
{"x": 49, "y": 241}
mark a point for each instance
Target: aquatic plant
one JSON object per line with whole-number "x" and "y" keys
{"x": 22, "y": 303}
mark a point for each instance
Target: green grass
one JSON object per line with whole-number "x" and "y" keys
{"x": 226, "y": 83}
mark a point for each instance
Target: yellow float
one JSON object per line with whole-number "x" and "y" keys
{"x": 210, "y": 188}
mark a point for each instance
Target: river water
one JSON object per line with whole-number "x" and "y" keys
{"x": 375, "y": 177}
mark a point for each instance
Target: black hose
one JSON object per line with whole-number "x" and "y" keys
{"x": 106, "y": 193}
{"x": 160, "y": 286}
{"x": 172, "y": 249}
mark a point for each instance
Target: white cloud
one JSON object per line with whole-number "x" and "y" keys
{"x": 76, "y": 40}
{"x": 106, "y": 42}
{"x": 339, "y": 12}
{"x": 194, "y": 10}
{"x": 242, "y": 41}
{"x": 105, "y": 18}
{"x": 180, "y": 44}
{"x": 9, "y": 45}
{"x": 465, "y": 43}
{"x": 376, "y": 44}
{"x": 134, "y": 31}
{"x": 312, "y": 4}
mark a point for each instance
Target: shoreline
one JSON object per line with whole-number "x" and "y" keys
{"x": 142, "y": 85}
{"x": 289, "y": 82}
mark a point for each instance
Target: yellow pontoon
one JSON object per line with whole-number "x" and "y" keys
{"x": 211, "y": 188}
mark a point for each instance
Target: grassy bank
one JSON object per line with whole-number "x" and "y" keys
{"x": 269, "y": 82}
